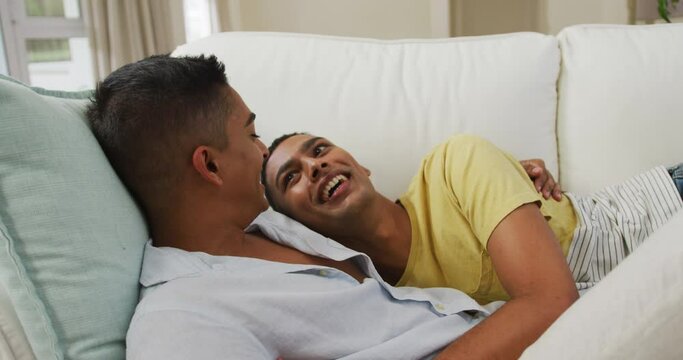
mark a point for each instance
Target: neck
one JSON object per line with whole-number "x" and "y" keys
{"x": 198, "y": 225}
{"x": 384, "y": 235}
{"x": 173, "y": 231}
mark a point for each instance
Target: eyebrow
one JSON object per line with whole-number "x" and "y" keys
{"x": 250, "y": 120}
{"x": 302, "y": 149}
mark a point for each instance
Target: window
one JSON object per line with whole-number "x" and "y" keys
{"x": 3, "y": 59}
{"x": 200, "y": 18}
{"x": 46, "y": 43}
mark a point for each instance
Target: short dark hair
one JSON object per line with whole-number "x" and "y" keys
{"x": 148, "y": 116}
{"x": 272, "y": 148}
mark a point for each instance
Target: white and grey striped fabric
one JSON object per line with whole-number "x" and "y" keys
{"x": 613, "y": 222}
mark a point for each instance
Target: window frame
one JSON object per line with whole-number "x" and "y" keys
{"x": 17, "y": 27}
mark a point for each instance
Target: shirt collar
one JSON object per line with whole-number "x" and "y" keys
{"x": 287, "y": 231}
{"x": 163, "y": 264}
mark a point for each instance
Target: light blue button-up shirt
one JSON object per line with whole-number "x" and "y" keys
{"x": 198, "y": 306}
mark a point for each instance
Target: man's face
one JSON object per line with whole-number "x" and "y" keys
{"x": 317, "y": 183}
{"x": 242, "y": 159}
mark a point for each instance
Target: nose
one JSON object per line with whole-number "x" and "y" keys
{"x": 315, "y": 168}
{"x": 263, "y": 148}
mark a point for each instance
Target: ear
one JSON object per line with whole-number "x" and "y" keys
{"x": 367, "y": 171}
{"x": 205, "y": 164}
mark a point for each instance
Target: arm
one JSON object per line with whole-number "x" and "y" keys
{"x": 542, "y": 178}
{"x": 533, "y": 270}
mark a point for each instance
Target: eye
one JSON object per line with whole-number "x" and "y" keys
{"x": 255, "y": 136}
{"x": 318, "y": 149}
{"x": 287, "y": 179}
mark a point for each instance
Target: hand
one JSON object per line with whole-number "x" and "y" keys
{"x": 543, "y": 180}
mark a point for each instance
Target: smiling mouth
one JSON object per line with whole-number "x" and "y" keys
{"x": 332, "y": 185}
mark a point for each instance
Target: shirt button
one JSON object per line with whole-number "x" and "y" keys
{"x": 323, "y": 272}
{"x": 439, "y": 307}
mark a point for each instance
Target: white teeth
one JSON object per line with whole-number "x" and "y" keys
{"x": 326, "y": 191}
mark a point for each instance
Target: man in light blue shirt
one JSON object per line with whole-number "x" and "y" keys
{"x": 201, "y": 306}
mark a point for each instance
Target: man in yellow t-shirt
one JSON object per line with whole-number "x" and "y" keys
{"x": 454, "y": 204}
{"x": 471, "y": 219}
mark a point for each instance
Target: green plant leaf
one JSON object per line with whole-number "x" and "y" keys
{"x": 663, "y": 9}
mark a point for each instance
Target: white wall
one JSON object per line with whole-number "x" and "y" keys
{"x": 481, "y": 17}
{"x": 384, "y": 19}
{"x": 563, "y": 13}
{"x": 391, "y": 19}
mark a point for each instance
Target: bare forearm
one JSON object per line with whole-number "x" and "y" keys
{"x": 532, "y": 268}
{"x": 512, "y": 328}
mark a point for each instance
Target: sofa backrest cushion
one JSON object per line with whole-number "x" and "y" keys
{"x": 390, "y": 102}
{"x": 621, "y": 90}
{"x": 72, "y": 238}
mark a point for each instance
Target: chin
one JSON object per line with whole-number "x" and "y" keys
{"x": 354, "y": 204}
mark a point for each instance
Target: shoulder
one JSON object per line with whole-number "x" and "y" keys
{"x": 467, "y": 143}
{"x": 462, "y": 145}
{"x": 466, "y": 140}
{"x": 462, "y": 149}
{"x": 190, "y": 315}
{"x": 180, "y": 334}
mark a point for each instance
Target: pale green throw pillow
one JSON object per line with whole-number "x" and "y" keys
{"x": 71, "y": 237}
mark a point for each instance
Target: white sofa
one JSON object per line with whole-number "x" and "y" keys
{"x": 598, "y": 103}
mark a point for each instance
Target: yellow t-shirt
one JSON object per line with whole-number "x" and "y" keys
{"x": 464, "y": 188}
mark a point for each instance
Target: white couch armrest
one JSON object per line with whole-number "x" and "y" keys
{"x": 634, "y": 313}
